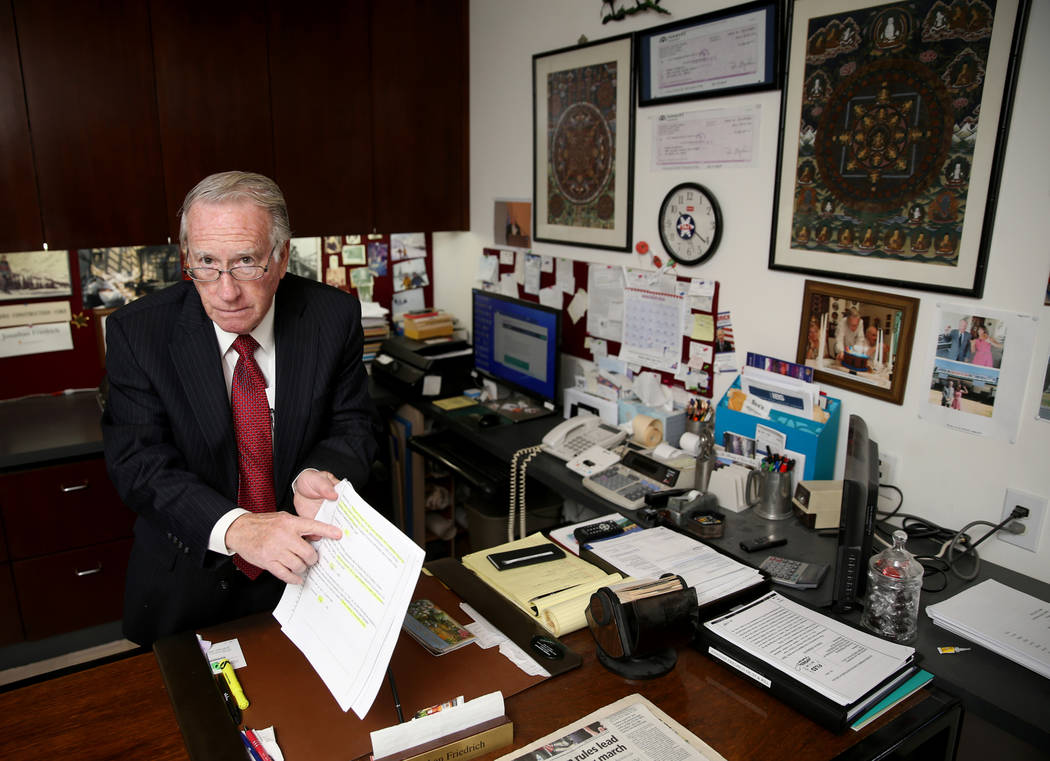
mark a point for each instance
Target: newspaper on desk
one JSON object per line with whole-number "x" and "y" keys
{"x": 631, "y": 729}
{"x": 347, "y": 616}
{"x": 648, "y": 554}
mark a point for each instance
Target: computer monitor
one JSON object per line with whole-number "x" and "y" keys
{"x": 516, "y": 343}
{"x": 860, "y": 497}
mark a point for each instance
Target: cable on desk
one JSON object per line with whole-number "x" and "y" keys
{"x": 517, "y": 502}
{"x": 920, "y": 528}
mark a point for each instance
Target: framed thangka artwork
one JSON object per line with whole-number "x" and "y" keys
{"x": 893, "y": 127}
{"x": 583, "y": 135}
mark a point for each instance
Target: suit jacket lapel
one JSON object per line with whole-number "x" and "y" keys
{"x": 195, "y": 355}
{"x": 296, "y": 340}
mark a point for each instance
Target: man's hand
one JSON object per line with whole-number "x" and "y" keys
{"x": 277, "y": 542}
{"x": 313, "y": 487}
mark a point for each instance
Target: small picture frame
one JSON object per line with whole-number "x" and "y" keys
{"x": 857, "y": 339}
{"x": 725, "y": 52}
{"x": 583, "y": 152}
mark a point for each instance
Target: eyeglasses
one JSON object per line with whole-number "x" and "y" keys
{"x": 240, "y": 272}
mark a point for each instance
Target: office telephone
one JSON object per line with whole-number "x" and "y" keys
{"x": 570, "y": 438}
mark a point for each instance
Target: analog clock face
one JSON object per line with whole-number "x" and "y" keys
{"x": 690, "y": 223}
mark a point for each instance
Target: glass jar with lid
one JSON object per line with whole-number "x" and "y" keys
{"x": 891, "y": 608}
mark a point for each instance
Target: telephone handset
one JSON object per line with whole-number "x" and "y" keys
{"x": 568, "y": 439}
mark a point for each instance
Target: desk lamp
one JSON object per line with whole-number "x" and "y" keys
{"x": 638, "y": 625}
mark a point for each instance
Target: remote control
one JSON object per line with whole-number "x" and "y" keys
{"x": 592, "y": 532}
{"x": 761, "y": 543}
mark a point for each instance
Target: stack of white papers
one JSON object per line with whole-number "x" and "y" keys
{"x": 648, "y": 554}
{"x": 782, "y": 392}
{"x": 1002, "y": 619}
{"x": 836, "y": 660}
{"x": 347, "y": 616}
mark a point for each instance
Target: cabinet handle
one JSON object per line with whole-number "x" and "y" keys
{"x": 74, "y": 487}
{"x": 90, "y": 571}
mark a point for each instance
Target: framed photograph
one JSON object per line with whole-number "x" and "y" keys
{"x": 856, "y": 339}
{"x": 583, "y": 135}
{"x": 893, "y": 126}
{"x": 726, "y": 52}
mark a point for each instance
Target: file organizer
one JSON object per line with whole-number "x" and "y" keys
{"x": 817, "y": 441}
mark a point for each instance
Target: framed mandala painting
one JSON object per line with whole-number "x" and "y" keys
{"x": 583, "y": 134}
{"x": 893, "y": 125}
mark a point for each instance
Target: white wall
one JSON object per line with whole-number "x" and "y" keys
{"x": 948, "y": 477}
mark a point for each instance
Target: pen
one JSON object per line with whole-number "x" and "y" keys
{"x": 251, "y": 751}
{"x": 227, "y": 698}
{"x": 226, "y": 668}
{"x": 397, "y": 700}
{"x": 256, "y": 746}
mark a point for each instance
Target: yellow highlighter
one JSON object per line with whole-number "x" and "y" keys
{"x": 226, "y": 669}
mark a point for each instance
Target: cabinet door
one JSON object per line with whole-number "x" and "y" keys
{"x": 88, "y": 75}
{"x": 420, "y": 80}
{"x": 10, "y": 620}
{"x": 20, "y": 228}
{"x": 47, "y": 510}
{"x": 321, "y": 91}
{"x": 213, "y": 91}
{"x": 72, "y": 590}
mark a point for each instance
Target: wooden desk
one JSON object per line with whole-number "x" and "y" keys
{"x": 121, "y": 710}
{"x": 118, "y": 710}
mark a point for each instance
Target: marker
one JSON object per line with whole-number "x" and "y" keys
{"x": 226, "y": 668}
{"x": 256, "y": 746}
{"x": 247, "y": 744}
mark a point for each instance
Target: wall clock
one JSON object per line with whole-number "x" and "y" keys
{"x": 690, "y": 223}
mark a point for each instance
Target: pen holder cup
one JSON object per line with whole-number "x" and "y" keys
{"x": 769, "y": 493}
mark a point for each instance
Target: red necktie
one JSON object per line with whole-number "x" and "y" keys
{"x": 251, "y": 422}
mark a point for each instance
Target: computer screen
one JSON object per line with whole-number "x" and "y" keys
{"x": 860, "y": 499}
{"x": 516, "y": 343}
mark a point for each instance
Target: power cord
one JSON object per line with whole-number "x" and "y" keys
{"x": 950, "y": 540}
{"x": 519, "y": 461}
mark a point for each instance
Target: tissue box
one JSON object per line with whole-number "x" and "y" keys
{"x": 673, "y": 422}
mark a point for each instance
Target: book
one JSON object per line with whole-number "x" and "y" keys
{"x": 435, "y": 629}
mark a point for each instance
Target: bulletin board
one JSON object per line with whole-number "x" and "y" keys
{"x": 574, "y": 337}
{"x": 383, "y": 285}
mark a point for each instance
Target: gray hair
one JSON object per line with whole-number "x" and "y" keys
{"x": 226, "y": 187}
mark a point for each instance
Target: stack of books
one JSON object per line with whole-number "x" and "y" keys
{"x": 376, "y": 326}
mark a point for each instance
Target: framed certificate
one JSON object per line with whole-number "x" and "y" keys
{"x": 726, "y": 52}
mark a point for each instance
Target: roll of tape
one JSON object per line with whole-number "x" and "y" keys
{"x": 648, "y": 431}
{"x": 690, "y": 443}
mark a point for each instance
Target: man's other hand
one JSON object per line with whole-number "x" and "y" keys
{"x": 278, "y": 542}
{"x": 312, "y": 487}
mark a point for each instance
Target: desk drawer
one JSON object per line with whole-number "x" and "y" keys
{"x": 10, "y": 621}
{"x": 71, "y": 590}
{"x": 60, "y": 508}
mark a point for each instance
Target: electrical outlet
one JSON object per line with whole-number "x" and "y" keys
{"x": 1033, "y": 524}
{"x": 888, "y": 468}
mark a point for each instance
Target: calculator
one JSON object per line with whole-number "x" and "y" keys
{"x": 794, "y": 573}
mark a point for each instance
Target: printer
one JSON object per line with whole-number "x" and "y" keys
{"x": 424, "y": 368}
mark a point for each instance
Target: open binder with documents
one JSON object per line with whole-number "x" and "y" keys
{"x": 825, "y": 669}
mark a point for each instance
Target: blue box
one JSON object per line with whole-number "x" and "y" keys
{"x": 817, "y": 441}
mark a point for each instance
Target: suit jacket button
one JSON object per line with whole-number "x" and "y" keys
{"x": 224, "y": 586}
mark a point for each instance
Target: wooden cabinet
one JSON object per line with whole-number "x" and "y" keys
{"x": 88, "y": 76}
{"x": 20, "y": 212}
{"x": 67, "y": 541}
{"x": 358, "y": 109}
{"x": 322, "y": 130}
{"x": 420, "y": 74}
{"x": 213, "y": 97}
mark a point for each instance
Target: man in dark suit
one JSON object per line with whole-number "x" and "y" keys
{"x": 170, "y": 440}
{"x": 959, "y": 342}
